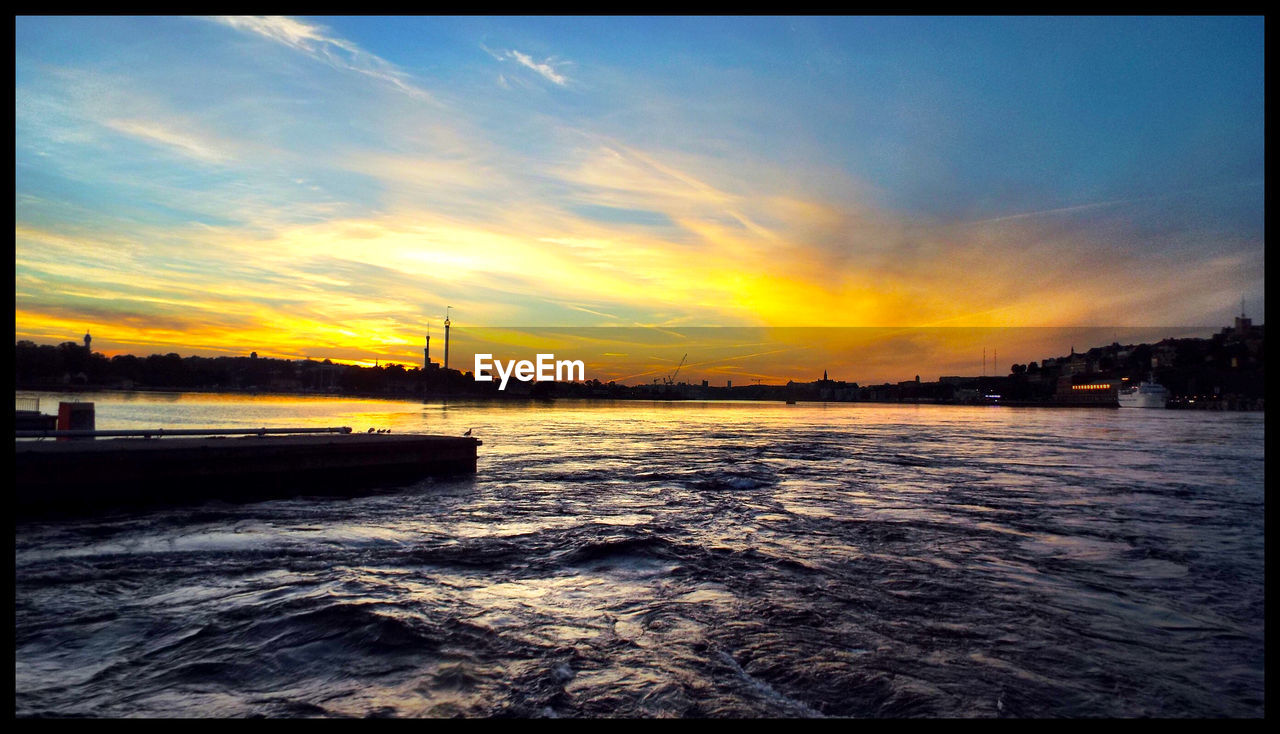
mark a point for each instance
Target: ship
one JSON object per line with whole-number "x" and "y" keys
{"x": 1147, "y": 394}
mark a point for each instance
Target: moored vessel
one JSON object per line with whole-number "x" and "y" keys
{"x": 1147, "y": 394}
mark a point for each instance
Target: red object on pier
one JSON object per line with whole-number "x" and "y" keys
{"x": 75, "y": 417}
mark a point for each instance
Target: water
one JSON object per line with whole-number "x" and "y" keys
{"x": 668, "y": 559}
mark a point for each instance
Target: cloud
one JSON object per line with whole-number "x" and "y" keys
{"x": 316, "y": 42}
{"x": 337, "y": 233}
{"x": 1119, "y": 202}
{"x": 183, "y": 141}
{"x": 545, "y": 69}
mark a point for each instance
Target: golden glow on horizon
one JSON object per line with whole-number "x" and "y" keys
{"x": 273, "y": 185}
{"x": 358, "y": 289}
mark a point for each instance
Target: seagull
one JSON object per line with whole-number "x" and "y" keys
{"x": 468, "y": 433}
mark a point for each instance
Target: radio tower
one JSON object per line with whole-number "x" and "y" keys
{"x": 446, "y": 336}
{"x": 426, "y": 353}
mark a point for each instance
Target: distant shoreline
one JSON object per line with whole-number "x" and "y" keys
{"x": 1176, "y": 404}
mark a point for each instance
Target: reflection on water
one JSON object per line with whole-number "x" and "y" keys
{"x": 666, "y": 559}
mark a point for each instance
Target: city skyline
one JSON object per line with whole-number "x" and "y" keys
{"x": 323, "y": 187}
{"x": 755, "y": 355}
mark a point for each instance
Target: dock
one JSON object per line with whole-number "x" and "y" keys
{"x": 88, "y": 474}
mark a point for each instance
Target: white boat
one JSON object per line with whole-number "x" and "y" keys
{"x": 1144, "y": 395}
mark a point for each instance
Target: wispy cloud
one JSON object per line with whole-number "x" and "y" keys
{"x": 1116, "y": 202}
{"x": 183, "y": 142}
{"x": 333, "y": 213}
{"x": 317, "y": 42}
{"x": 544, "y": 69}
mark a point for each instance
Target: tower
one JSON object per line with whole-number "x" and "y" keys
{"x": 446, "y": 336}
{"x": 87, "y": 339}
{"x": 1243, "y": 324}
{"x": 426, "y": 352}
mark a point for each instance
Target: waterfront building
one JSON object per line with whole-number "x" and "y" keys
{"x": 1087, "y": 389}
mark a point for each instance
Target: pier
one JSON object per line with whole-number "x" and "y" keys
{"x": 85, "y": 473}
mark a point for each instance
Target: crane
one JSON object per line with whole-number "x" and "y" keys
{"x": 671, "y": 379}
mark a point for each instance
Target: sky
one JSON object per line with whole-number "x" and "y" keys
{"x": 324, "y": 187}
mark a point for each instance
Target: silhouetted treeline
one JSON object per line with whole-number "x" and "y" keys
{"x": 71, "y": 365}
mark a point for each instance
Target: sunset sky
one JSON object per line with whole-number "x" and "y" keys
{"x": 325, "y": 187}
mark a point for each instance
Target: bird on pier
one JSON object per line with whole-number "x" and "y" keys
{"x": 370, "y": 430}
{"x": 468, "y": 433}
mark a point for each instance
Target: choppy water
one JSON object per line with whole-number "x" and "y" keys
{"x": 641, "y": 559}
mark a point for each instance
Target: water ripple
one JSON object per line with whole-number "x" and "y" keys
{"x": 688, "y": 560}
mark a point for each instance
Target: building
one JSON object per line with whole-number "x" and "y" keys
{"x": 1087, "y": 389}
